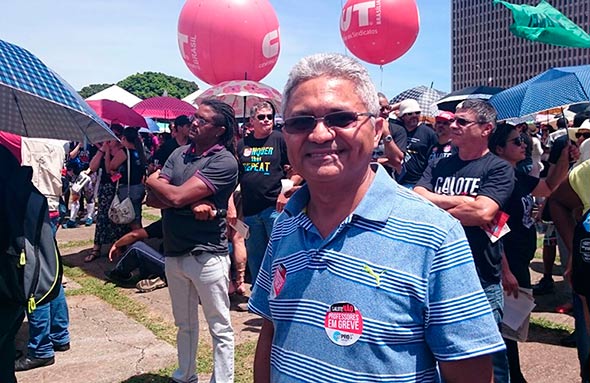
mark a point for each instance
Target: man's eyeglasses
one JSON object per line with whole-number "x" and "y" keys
{"x": 518, "y": 141}
{"x": 385, "y": 108}
{"x": 305, "y": 124}
{"x": 262, "y": 117}
{"x": 200, "y": 120}
{"x": 463, "y": 122}
{"x": 585, "y": 134}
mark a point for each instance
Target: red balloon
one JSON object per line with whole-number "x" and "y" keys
{"x": 379, "y": 31}
{"x": 223, "y": 40}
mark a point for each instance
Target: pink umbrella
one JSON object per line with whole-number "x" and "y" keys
{"x": 113, "y": 112}
{"x": 240, "y": 93}
{"x": 164, "y": 107}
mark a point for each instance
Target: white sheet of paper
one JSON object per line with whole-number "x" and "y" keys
{"x": 242, "y": 228}
{"x": 516, "y": 311}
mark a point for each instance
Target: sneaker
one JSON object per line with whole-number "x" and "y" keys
{"x": 69, "y": 224}
{"x": 150, "y": 284}
{"x": 89, "y": 221}
{"x": 545, "y": 286}
{"x": 28, "y": 363}
{"x": 119, "y": 278}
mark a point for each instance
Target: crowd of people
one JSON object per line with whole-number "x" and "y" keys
{"x": 369, "y": 230}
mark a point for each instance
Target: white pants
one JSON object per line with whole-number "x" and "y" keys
{"x": 204, "y": 277}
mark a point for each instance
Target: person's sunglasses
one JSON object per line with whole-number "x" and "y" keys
{"x": 305, "y": 124}
{"x": 585, "y": 135}
{"x": 518, "y": 141}
{"x": 463, "y": 122}
{"x": 262, "y": 117}
{"x": 385, "y": 108}
{"x": 412, "y": 114}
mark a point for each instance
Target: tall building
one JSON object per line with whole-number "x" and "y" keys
{"x": 485, "y": 52}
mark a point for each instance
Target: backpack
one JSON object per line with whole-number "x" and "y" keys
{"x": 31, "y": 241}
{"x": 581, "y": 256}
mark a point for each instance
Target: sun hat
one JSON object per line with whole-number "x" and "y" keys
{"x": 409, "y": 106}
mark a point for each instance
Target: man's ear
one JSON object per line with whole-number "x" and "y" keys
{"x": 219, "y": 135}
{"x": 379, "y": 121}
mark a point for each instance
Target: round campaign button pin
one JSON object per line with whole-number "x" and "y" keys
{"x": 343, "y": 324}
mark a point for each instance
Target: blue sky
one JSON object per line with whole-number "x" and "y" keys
{"x": 104, "y": 41}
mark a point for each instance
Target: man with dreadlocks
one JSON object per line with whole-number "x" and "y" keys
{"x": 196, "y": 251}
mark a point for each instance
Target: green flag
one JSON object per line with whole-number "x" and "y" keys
{"x": 546, "y": 24}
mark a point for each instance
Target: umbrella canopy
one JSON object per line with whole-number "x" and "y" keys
{"x": 451, "y": 100}
{"x": 238, "y": 93}
{"x": 425, "y": 96}
{"x": 553, "y": 88}
{"x": 152, "y": 125}
{"x": 164, "y": 107}
{"x": 114, "y": 112}
{"x": 36, "y": 102}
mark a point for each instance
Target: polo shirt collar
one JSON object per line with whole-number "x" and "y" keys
{"x": 376, "y": 205}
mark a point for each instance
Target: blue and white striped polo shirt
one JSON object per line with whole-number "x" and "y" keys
{"x": 403, "y": 263}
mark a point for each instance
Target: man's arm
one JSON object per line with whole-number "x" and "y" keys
{"x": 478, "y": 212}
{"x": 445, "y": 202}
{"x": 473, "y": 370}
{"x": 193, "y": 190}
{"x": 262, "y": 356}
{"x": 126, "y": 240}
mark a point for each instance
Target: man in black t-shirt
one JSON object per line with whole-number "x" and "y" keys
{"x": 473, "y": 186}
{"x": 262, "y": 158}
{"x": 420, "y": 138}
{"x": 390, "y": 151}
{"x": 444, "y": 148}
{"x": 181, "y": 125}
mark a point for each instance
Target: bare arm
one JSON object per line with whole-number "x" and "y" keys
{"x": 561, "y": 204}
{"x": 478, "y": 212}
{"x": 473, "y": 370}
{"x": 443, "y": 201}
{"x": 193, "y": 190}
{"x": 262, "y": 356}
{"x": 556, "y": 175}
{"x": 126, "y": 240}
{"x": 95, "y": 161}
{"x": 117, "y": 160}
{"x": 394, "y": 154}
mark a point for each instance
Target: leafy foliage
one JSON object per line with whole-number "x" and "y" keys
{"x": 151, "y": 84}
{"x": 91, "y": 89}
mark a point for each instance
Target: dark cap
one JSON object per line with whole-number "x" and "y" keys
{"x": 181, "y": 120}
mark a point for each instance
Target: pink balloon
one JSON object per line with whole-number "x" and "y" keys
{"x": 222, "y": 40}
{"x": 379, "y": 31}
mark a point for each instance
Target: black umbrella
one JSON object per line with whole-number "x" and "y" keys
{"x": 451, "y": 100}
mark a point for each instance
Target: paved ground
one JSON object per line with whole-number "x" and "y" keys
{"x": 108, "y": 346}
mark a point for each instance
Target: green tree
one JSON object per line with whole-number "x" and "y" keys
{"x": 91, "y": 89}
{"x": 151, "y": 84}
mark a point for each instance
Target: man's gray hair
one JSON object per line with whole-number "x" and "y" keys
{"x": 333, "y": 65}
{"x": 483, "y": 110}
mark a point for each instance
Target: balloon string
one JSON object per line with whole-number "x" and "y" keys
{"x": 381, "y": 79}
{"x": 341, "y": 12}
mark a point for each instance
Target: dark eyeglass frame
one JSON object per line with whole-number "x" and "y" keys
{"x": 200, "y": 121}
{"x": 340, "y": 120}
{"x": 464, "y": 122}
{"x": 385, "y": 108}
{"x": 518, "y": 141}
{"x": 262, "y": 117}
{"x": 585, "y": 134}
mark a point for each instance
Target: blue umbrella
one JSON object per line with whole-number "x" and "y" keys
{"x": 152, "y": 125}
{"x": 551, "y": 89}
{"x": 36, "y": 102}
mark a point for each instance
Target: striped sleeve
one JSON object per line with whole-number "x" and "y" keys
{"x": 459, "y": 321}
{"x": 259, "y": 300}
